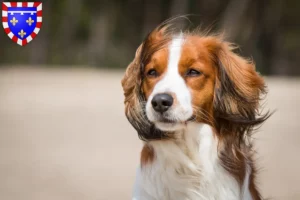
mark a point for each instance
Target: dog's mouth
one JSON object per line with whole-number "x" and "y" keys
{"x": 172, "y": 121}
{"x": 168, "y": 121}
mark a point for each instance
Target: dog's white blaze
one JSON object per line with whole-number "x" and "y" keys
{"x": 172, "y": 82}
{"x": 174, "y": 56}
{"x": 187, "y": 169}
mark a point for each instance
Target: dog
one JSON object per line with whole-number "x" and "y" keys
{"x": 194, "y": 103}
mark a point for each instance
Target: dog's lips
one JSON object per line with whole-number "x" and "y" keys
{"x": 169, "y": 121}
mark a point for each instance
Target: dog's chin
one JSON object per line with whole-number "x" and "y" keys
{"x": 169, "y": 126}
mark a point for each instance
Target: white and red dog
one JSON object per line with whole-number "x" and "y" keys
{"x": 194, "y": 103}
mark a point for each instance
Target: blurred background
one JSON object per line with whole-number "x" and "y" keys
{"x": 107, "y": 33}
{"x": 63, "y": 132}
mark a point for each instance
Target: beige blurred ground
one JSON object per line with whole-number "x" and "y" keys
{"x": 63, "y": 136}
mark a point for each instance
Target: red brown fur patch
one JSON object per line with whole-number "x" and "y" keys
{"x": 158, "y": 62}
{"x": 147, "y": 155}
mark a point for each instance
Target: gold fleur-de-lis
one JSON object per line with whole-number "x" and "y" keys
{"x": 14, "y": 21}
{"x": 22, "y": 33}
{"x": 29, "y": 21}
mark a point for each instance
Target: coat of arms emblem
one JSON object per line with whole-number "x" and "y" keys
{"x": 22, "y": 21}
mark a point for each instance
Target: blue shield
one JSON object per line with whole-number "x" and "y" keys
{"x": 22, "y": 20}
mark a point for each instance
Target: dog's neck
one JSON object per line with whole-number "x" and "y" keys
{"x": 187, "y": 167}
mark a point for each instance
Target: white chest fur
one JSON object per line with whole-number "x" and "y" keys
{"x": 187, "y": 169}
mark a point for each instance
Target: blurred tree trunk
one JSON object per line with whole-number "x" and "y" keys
{"x": 98, "y": 38}
{"x": 233, "y": 17}
{"x": 277, "y": 60}
{"x": 101, "y": 26}
{"x": 39, "y": 50}
{"x": 152, "y": 16}
{"x": 67, "y": 28}
{"x": 179, "y": 7}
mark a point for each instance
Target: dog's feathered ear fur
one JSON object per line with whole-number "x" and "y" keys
{"x": 134, "y": 98}
{"x": 131, "y": 78}
{"x": 238, "y": 90}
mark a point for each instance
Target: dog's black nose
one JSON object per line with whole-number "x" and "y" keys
{"x": 162, "y": 102}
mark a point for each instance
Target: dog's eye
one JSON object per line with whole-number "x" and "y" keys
{"x": 152, "y": 73}
{"x": 193, "y": 73}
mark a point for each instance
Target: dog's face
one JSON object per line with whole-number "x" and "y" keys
{"x": 178, "y": 78}
{"x": 179, "y": 84}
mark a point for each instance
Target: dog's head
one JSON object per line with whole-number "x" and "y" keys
{"x": 178, "y": 78}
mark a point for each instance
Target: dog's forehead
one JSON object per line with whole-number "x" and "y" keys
{"x": 168, "y": 49}
{"x": 160, "y": 55}
{"x": 187, "y": 49}
{"x": 195, "y": 46}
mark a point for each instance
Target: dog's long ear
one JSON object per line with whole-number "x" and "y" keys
{"x": 239, "y": 89}
{"x": 131, "y": 78}
{"x": 131, "y": 83}
{"x": 134, "y": 98}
